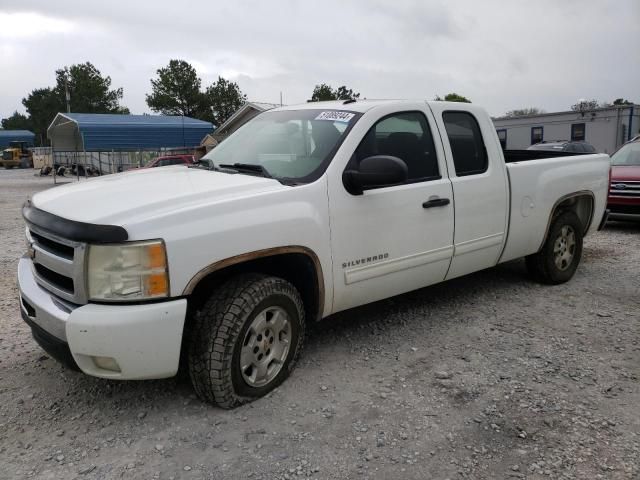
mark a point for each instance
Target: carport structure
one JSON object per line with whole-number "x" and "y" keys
{"x": 96, "y": 132}
{"x": 113, "y": 142}
{"x": 8, "y": 136}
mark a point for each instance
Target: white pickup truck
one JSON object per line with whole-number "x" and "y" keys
{"x": 303, "y": 212}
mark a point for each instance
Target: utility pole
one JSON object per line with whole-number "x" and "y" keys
{"x": 66, "y": 92}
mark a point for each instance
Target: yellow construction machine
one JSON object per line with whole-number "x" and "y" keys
{"x": 17, "y": 155}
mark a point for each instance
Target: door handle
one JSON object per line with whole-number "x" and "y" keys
{"x": 436, "y": 202}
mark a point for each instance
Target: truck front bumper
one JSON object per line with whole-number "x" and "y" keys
{"x": 117, "y": 341}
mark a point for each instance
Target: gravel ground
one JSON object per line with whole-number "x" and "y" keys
{"x": 488, "y": 376}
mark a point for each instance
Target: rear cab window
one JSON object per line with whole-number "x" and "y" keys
{"x": 578, "y": 148}
{"x": 467, "y": 144}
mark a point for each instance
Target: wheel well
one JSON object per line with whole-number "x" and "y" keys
{"x": 580, "y": 204}
{"x": 300, "y": 269}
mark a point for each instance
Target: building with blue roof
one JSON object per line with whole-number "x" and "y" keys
{"x": 8, "y": 136}
{"x": 98, "y": 132}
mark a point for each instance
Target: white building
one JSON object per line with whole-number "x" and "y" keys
{"x": 604, "y": 128}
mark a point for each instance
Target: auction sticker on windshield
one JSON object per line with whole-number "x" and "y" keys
{"x": 336, "y": 116}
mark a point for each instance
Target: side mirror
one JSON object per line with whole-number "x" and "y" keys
{"x": 375, "y": 172}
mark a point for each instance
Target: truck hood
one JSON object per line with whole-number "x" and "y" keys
{"x": 621, "y": 173}
{"x": 118, "y": 199}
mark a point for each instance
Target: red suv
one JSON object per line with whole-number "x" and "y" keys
{"x": 624, "y": 191}
{"x": 171, "y": 160}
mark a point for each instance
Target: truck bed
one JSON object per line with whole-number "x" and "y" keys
{"x": 536, "y": 187}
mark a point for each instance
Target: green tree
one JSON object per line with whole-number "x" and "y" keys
{"x": 324, "y": 92}
{"x": 521, "y": 112}
{"x": 622, "y": 101}
{"x": 176, "y": 90}
{"x": 585, "y": 105}
{"x": 221, "y": 100}
{"x": 90, "y": 91}
{"x": 452, "y": 97}
{"x": 17, "y": 121}
{"x": 42, "y": 105}
{"x": 344, "y": 93}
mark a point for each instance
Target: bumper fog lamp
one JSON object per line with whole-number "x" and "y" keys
{"x": 106, "y": 363}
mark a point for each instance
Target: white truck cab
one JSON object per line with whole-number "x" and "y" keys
{"x": 303, "y": 212}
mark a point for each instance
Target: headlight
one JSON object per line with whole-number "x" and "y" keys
{"x": 128, "y": 271}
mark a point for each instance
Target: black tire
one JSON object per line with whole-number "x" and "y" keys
{"x": 220, "y": 327}
{"x": 542, "y": 265}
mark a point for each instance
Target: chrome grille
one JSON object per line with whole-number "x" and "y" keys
{"x": 625, "y": 188}
{"x": 58, "y": 265}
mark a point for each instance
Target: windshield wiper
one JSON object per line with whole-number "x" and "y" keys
{"x": 250, "y": 168}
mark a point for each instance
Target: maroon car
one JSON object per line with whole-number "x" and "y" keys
{"x": 171, "y": 160}
{"x": 624, "y": 191}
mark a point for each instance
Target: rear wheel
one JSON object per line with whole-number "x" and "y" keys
{"x": 560, "y": 255}
{"x": 245, "y": 339}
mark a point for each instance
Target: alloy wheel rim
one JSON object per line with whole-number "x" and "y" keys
{"x": 564, "y": 248}
{"x": 265, "y": 346}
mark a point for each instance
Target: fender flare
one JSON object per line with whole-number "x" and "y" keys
{"x": 267, "y": 252}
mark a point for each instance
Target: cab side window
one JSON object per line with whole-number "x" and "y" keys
{"x": 407, "y": 136}
{"x": 467, "y": 145}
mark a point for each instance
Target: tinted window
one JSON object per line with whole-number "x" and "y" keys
{"x": 467, "y": 145}
{"x": 572, "y": 148}
{"x": 406, "y": 136}
{"x": 537, "y": 134}
{"x": 577, "y": 132}
{"x": 588, "y": 148}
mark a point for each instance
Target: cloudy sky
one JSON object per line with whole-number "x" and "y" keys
{"x": 502, "y": 55}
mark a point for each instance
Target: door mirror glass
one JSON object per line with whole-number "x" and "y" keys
{"x": 375, "y": 172}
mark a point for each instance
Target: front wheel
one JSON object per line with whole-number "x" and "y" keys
{"x": 245, "y": 339}
{"x": 560, "y": 255}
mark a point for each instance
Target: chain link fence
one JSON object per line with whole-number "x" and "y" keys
{"x": 89, "y": 164}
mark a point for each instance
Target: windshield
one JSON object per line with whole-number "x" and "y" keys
{"x": 628, "y": 155}
{"x": 294, "y": 145}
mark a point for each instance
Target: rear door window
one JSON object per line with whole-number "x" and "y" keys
{"x": 467, "y": 144}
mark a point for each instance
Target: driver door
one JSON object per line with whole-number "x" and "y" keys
{"x": 398, "y": 238}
